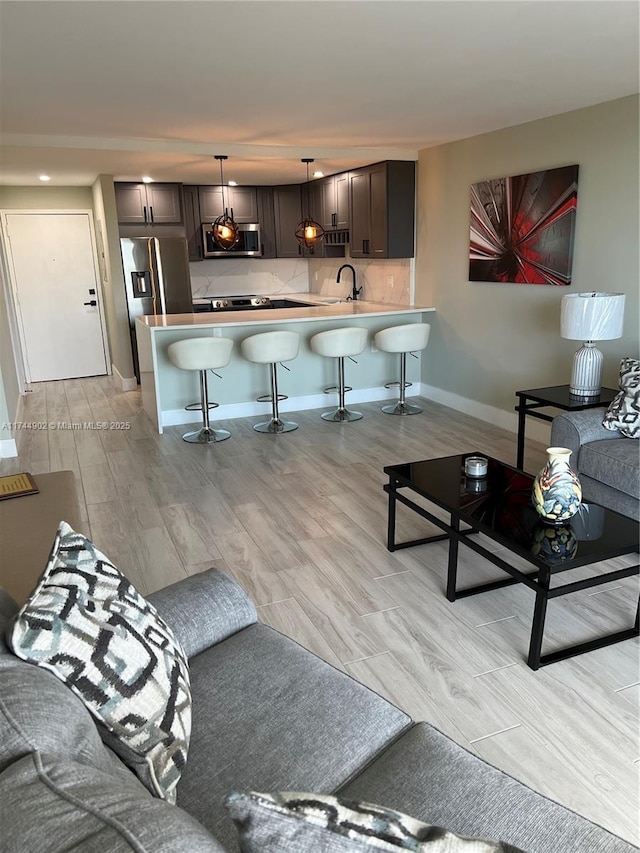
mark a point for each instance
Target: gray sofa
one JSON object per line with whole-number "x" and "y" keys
{"x": 267, "y": 716}
{"x": 607, "y": 463}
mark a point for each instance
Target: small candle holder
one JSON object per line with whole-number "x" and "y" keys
{"x": 476, "y": 466}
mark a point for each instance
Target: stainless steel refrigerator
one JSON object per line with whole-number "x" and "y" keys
{"x": 156, "y": 278}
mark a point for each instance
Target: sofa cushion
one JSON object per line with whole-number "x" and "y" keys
{"x": 426, "y": 774}
{"x": 204, "y": 609}
{"x": 623, "y": 413}
{"x": 613, "y": 462}
{"x": 57, "y": 805}
{"x": 28, "y": 697}
{"x": 89, "y": 626}
{"x": 297, "y": 823}
{"x": 269, "y": 715}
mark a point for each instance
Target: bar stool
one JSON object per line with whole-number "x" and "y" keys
{"x": 340, "y": 344}
{"x": 202, "y": 354}
{"x": 402, "y": 339}
{"x": 272, "y": 348}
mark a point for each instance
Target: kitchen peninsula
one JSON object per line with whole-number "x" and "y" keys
{"x": 166, "y": 390}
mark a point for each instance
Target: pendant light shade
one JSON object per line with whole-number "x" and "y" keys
{"x": 225, "y": 230}
{"x": 309, "y": 232}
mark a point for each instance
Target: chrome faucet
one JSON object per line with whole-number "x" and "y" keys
{"x": 356, "y": 290}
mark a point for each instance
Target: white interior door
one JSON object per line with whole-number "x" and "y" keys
{"x": 53, "y": 267}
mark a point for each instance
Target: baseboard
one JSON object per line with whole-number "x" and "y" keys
{"x": 173, "y": 417}
{"x": 535, "y": 429}
{"x": 125, "y": 383}
{"x": 8, "y": 448}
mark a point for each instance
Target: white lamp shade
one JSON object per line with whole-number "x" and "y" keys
{"x": 592, "y": 316}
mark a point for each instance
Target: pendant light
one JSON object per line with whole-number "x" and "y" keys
{"x": 309, "y": 232}
{"x": 225, "y": 230}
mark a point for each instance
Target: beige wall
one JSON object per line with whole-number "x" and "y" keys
{"x": 489, "y": 340}
{"x": 9, "y": 380}
{"x": 45, "y": 198}
{"x": 115, "y": 303}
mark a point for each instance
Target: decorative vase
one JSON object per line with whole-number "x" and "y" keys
{"x": 556, "y": 489}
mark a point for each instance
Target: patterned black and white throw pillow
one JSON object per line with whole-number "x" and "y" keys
{"x": 623, "y": 413}
{"x": 299, "y": 823}
{"x": 91, "y": 628}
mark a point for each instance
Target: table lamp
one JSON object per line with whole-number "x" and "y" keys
{"x": 590, "y": 317}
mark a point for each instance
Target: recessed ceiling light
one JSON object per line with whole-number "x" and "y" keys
{"x": 44, "y": 178}
{"x": 147, "y": 180}
{"x": 233, "y": 183}
{"x": 318, "y": 174}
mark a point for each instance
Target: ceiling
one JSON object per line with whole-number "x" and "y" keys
{"x": 146, "y": 87}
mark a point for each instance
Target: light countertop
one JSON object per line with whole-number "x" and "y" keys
{"x": 327, "y": 310}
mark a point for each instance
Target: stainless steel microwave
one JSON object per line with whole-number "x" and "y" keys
{"x": 248, "y": 244}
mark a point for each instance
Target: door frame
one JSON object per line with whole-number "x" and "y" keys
{"x": 13, "y": 308}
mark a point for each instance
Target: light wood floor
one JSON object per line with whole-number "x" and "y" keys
{"x": 300, "y": 521}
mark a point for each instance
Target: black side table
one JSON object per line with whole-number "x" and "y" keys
{"x": 559, "y": 397}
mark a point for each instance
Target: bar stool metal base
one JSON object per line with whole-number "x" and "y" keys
{"x": 275, "y": 426}
{"x": 206, "y": 436}
{"x": 341, "y": 416}
{"x": 401, "y": 409}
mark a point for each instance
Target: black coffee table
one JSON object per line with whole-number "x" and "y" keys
{"x": 500, "y": 507}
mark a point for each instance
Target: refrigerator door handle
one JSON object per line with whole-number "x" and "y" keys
{"x": 157, "y": 280}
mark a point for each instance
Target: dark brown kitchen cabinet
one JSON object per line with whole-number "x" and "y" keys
{"x": 382, "y": 210}
{"x": 242, "y": 200}
{"x": 311, "y": 198}
{"x": 148, "y": 204}
{"x": 267, "y": 222}
{"x": 335, "y": 202}
{"x": 287, "y": 210}
{"x": 192, "y": 223}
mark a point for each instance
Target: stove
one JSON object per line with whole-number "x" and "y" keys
{"x": 231, "y": 303}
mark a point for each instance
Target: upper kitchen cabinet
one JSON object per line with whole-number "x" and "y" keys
{"x": 335, "y": 202}
{"x": 267, "y": 222}
{"x": 148, "y": 204}
{"x": 383, "y": 210}
{"x": 192, "y": 222}
{"x": 242, "y": 200}
{"x": 287, "y": 210}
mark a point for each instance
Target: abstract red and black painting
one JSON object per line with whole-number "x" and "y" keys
{"x": 522, "y": 227}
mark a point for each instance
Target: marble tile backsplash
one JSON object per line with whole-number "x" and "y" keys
{"x": 246, "y": 276}
{"x": 381, "y": 280}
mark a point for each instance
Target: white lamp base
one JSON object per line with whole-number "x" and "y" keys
{"x": 586, "y": 377}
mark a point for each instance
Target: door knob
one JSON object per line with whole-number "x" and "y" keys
{"x": 92, "y": 302}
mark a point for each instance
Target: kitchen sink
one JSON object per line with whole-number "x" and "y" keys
{"x": 290, "y": 303}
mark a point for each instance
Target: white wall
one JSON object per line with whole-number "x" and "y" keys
{"x": 113, "y": 290}
{"x": 489, "y": 340}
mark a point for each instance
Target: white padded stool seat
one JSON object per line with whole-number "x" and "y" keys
{"x": 271, "y": 348}
{"x": 340, "y": 343}
{"x": 202, "y": 354}
{"x": 409, "y": 338}
{"x": 402, "y": 339}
